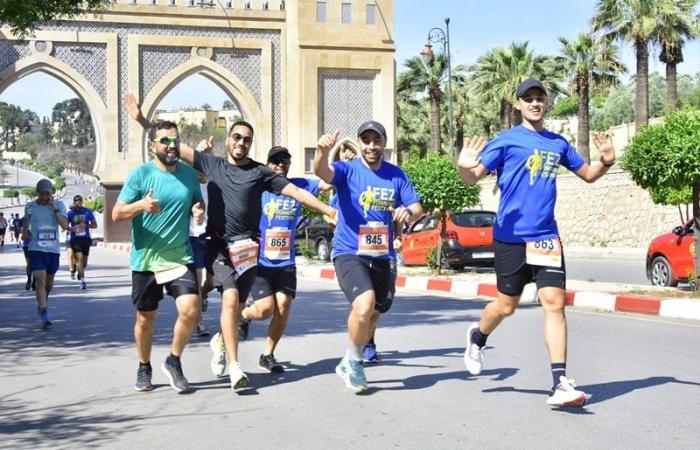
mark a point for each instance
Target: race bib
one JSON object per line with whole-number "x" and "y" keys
{"x": 80, "y": 230}
{"x": 168, "y": 275}
{"x": 243, "y": 255}
{"x": 546, "y": 252}
{"x": 46, "y": 238}
{"x": 278, "y": 243}
{"x": 373, "y": 239}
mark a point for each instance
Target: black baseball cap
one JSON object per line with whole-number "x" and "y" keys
{"x": 529, "y": 84}
{"x": 373, "y": 126}
{"x": 278, "y": 150}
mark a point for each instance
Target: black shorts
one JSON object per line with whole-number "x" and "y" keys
{"x": 146, "y": 292}
{"x": 513, "y": 273}
{"x": 225, "y": 276}
{"x": 81, "y": 246}
{"x": 359, "y": 274}
{"x": 198, "y": 254}
{"x": 2, "y": 232}
{"x": 270, "y": 280}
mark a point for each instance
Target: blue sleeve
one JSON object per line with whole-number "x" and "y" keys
{"x": 71, "y": 214}
{"x": 132, "y": 189}
{"x": 341, "y": 173}
{"x": 492, "y": 155}
{"x": 333, "y": 201}
{"x": 314, "y": 186}
{"x": 571, "y": 159}
{"x": 407, "y": 193}
{"x": 61, "y": 207}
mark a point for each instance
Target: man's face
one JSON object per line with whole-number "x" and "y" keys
{"x": 78, "y": 202}
{"x": 166, "y": 146}
{"x": 44, "y": 198}
{"x": 280, "y": 164}
{"x": 532, "y": 105}
{"x": 239, "y": 141}
{"x": 371, "y": 146}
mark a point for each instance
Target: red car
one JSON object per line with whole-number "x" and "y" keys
{"x": 670, "y": 258}
{"x": 468, "y": 239}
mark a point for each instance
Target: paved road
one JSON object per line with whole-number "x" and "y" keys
{"x": 70, "y": 387}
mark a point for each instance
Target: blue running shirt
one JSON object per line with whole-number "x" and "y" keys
{"x": 526, "y": 163}
{"x": 280, "y": 215}
{"x": 81, "y": 217}
{"x": 364, "y": 196}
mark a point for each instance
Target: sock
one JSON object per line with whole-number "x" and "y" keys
{"x": 479, "y": 338}
{"x": 558, "y": 370}
{"x": 147, "y": 364}
{"x": 354, "y": 352}
{"x": 174, "y": 358}
{"x": 371, "y": 340}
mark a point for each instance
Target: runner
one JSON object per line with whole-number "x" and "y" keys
{"x": 16, "y": 229}
{"x": 235, "y": 189}
{"x": 526, "y": 240}
{"x": 70, "y": 255}
{"x": 158, "y": 197}
{"x": 81, "y": 219}
{"x": 42, "y": 218}
{"x": 3, "y": 230}
{"x": 31, "y": 283}
{"x": 372, "y": 193}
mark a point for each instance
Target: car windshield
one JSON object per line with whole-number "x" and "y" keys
{"x": 474, "y": 219}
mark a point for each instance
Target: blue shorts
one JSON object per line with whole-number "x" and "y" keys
{"x": 198, "y": 254}
{"x": 43, "y": 261}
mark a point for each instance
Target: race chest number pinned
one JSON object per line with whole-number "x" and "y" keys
{"x": 278, "y": 243}
{"x": 373, "y": 239}
{"x": 243, "y": 255}
{"x": 546, "y": 252}
{"x": 46, "y": 238}
{"x": 80, "y": 230}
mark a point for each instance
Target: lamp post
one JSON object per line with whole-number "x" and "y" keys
{"x": 438, "y": 35}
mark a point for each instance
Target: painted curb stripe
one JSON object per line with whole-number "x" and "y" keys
{"x": 439, "y": 284}
{"x": 641, "y": 305}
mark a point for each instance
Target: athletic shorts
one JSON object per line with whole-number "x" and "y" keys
{"x": 270, "y": 280}
{"x": 146, "y": 292}
{"x": 43, "y": 261}
{"x": 198, "y": 252}
{"x": 513, "y": 273}
{"x": 225, "y": 276}
{"x": 2, "y": 232}
{"x": 358, "y": 274}
{"x": 17, "y": 233}
{"x": 81, "y": 246}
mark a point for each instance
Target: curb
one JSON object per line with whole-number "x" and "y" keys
{"x": 600, "y": 301}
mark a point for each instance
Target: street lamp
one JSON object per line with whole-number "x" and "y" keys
{"x": 438, "y": 35}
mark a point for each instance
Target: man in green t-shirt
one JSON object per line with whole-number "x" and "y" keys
{"x": 158, "y": 197}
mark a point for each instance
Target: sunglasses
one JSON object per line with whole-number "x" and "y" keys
{"x": 77, "y": 199}
{"x": 247, "y": 140}
{"x": 168, "y": 140}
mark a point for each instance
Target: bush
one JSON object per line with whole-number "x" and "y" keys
{"x": 97, "y": 204}
{"x": 10, "y": 193}
{"x": 59, "y": 183}
{"x": 28, "y": 192}
{"x": 307, "y": 251}
{"x": 432, "y": 259}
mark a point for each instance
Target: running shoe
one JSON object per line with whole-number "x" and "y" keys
{"x": 352, "y": 373}
{"x": 565, "y": 394}
{"x": 243, "y": 328}
{"x": 172, "y": 369}
{"x": 28, "y": 285}
{"x": 218, "y": 359}
{"x": 369, "y": 354}
{"x": 269, "y": 363}
{"x": 143, "y": 378}
{"x": 72, "y": 274}
{"x": 473, "y": 354}
{"x": 83, "y": 284}
{"x": 45, "y": 320}
{"x": 239, "y": 379}
{"x": 205, "y": 303}
{"x": 201, "y": 329}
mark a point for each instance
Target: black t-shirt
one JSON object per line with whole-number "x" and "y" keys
{"x": 235, "y": 194}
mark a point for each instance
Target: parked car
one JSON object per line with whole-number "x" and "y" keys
{"x": 670, "y": 258}
{"x": 317, "y": 234}
{"x": 468, "y": 239}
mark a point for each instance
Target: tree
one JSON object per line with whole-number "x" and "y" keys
{"x": 206, "y": 107}
{"x": 413, "y": 133}
{"x": 667, "y": 156}
{"x": 591, "y": 64}
{"x": 23, "y": 16}
{"x": 14, "y": 121}
{"x": 75, "y": 124}
{"x": 29, "y": 143}
{"x": 676, "y": 26}
{"x": 673, "y": 197}
{"x": 228, "y": 104}
{"x": 437, "y": 181}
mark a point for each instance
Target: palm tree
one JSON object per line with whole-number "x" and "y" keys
{"x": 677, "y": 25}
{"x": 412, "y": 128}
{"x": 497, "y": 74}
{"x": 591, "y": 64}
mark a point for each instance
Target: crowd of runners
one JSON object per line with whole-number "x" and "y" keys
{"x": 201, "y": 222}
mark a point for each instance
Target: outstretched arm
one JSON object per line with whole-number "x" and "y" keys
{"x": 606, "y": 150}
{"x": 306, "y": 199}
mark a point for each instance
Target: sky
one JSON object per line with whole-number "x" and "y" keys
{"x": 476, "y": 26}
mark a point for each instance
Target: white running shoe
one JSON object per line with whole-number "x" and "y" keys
{"x": 565, "y": 394}
{"x": 218, "y": 359}
{"x": 473, "y": 354}
{"x": 239, "y": 379}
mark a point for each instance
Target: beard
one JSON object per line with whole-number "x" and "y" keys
{"x": 168, "y": 159}
{"x": 233, "y": 153}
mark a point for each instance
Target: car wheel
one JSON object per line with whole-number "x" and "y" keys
{"x": 661, "y": 273}
{"x": 323, "y": 250}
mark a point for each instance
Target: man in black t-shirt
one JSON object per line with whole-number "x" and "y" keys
{"x": 235, "y": 188}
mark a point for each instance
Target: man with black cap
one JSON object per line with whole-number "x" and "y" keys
{"x": 372, "y": 195}
{"x": 527, "y": 246}
{"x": 41, "y": 220}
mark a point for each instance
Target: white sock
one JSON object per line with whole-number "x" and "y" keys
{"x": 354, "y": 352}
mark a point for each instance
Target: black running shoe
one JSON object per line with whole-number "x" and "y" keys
{"x": 143, "y": 378}
{"x": 28, "y": 285}
{"x": 243, "y": 327}
{"x": 269, "y": 363}
{"x": 72, "y": 274}
{"x": 173, "y": 370}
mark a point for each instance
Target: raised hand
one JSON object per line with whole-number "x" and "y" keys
{"x": 150, "y": 204}
{"x": 606, "y": 149}
{"x": 132, "y": 106}
{"x": 327, "y": 142}
{"x": 469, "y": 156}
{"x": 206, "y": 145}
{"x": 198, "y": 213}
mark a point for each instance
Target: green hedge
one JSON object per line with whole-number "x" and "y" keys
{"x": 10, "y": 193}
{"x": 97, "y": 204}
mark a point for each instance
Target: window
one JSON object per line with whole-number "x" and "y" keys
{"x": 321, "y": 12}
{"x": 346, "y": 13}
{"x": 371, "y": 12}
{"x": 474, "y": 219}
{"x": 309, "y": 155}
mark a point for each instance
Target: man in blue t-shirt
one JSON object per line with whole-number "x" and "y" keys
{"x": 81, "y": 220}
{"x": 527, "y": 245}
{"x": 372, "y": 195}
{"x": 276, "y": 280}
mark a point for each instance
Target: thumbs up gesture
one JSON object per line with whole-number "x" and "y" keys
{"x": 327, "y": 142}
{"x": 150, "y": 204}
{"x": 206, "y": 145}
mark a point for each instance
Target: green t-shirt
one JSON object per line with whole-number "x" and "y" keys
{"x": 161, "y": 241}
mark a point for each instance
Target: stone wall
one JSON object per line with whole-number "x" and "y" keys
{"x": 612, "y": 212}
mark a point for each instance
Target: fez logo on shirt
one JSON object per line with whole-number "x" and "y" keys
{"x": 542, "y": 164}
{"x": 376, "y": 199}
{"x": 282, "y": 208}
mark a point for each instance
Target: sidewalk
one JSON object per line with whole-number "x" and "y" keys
{"x": 606, "y": 297}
